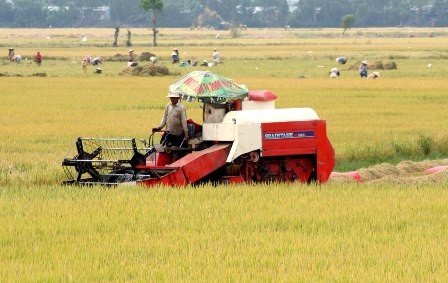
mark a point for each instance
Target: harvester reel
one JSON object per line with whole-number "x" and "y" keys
{"x": 87, "y": 167}
{"x": 81, "y": 162}
{"x": 111, "y": 161}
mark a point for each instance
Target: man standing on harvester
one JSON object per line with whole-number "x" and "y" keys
{"x": 175, "y": 120}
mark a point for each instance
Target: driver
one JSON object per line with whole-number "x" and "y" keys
{"x": 175, "y": 120}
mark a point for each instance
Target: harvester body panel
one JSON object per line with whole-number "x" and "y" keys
{"x": 192, "y": 167}
{"x": 245, "y": 137}
{"x": 244, "y": 128}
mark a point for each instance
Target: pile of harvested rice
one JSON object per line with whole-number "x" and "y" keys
{"x": 405, "y": 172}
{"x": 147, "y": 70}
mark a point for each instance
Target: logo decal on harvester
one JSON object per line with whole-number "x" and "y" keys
{"x": 288, "y": 135}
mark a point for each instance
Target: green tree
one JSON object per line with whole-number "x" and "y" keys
{"x": 309, "y": 12}
{"x": 6, "y": 13}
{"x": 116, "y": 34}
{"x": 347, "y": 22}
{"x": 127, "y": 13}
{"x": 154, "y": 7}
{"x": 322, "y": 12}
{"x": 129, "y": 40}
{"x": 63, "y": 14}
{"x": 441, "y": 12}
{"x": 30, "y": 13}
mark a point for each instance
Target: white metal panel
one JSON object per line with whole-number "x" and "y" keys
{"x": 256, "y": 105}
{"x": 270, "y": 115}
{"x": 244, "y": 127}
{"x": 214, "y": 113}
{"x": 247, "y": 139}
{"x": 218, "y": 132}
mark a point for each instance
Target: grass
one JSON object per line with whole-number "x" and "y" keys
{"x": 304, "y": 234}
{"x": 269, "y": 232}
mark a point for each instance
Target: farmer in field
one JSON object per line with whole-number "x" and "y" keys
{"x": 175, "y": 56}
{"x": 363, "y": 69}
{"x": 96, "y": 61}
{"x": 131, "y": 55}
{"x": 216, "y": 57}
{"x": 374, "y": 75}
{"x": 334, "y": 73}
{"x": 18, "y": 58}
{"x": 11, "y": 55}
{"x": 38, "y": 58}
{"x": 85, "y": 63}
{"x": 175, "y": 120}
{"x": 341, "y": 60}
{"x": 204, "y": 63}
{"x": 132, "y": 62}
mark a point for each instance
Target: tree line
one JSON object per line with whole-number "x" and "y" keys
{"x": 222, "y": 13}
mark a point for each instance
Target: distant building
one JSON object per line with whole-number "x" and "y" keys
{"x": 89, "y": 16}
{"x": 52, "y": 8}
{"x": 103, "y": 13}
{"x": 292, "y": 5}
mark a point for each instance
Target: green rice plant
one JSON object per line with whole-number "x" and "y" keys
{"x": 425, "y": 143}
{"x": 441, "y": 144}
{"x": 403, "y": 149}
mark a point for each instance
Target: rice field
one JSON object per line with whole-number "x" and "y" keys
{"x": 391, "y": 228}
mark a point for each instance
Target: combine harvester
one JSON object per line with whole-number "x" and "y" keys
{"x": 244, "y": 140}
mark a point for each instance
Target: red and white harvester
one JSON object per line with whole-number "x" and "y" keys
{"x": 248, "y": 140}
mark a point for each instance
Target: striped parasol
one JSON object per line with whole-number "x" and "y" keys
{"x": 208, "y": 87}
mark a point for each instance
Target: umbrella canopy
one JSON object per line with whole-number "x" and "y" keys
{"x": 208, "y": 87}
